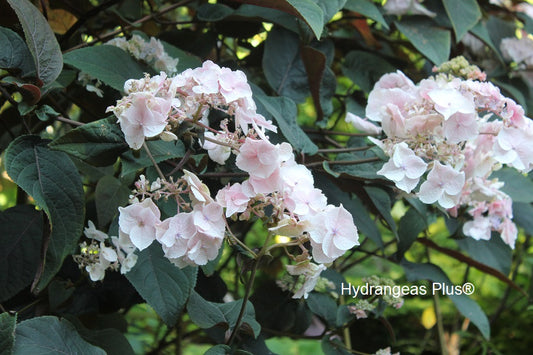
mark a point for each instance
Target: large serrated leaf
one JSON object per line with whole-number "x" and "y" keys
{"x": 433, "y": 42}
{"x": 50, "y": 335}
{"x": 21, "y": 230}
{"x": 15, "y": 53}
{"x": 53, "y": 181}
{"x": 110, "y": 64}
{"x": 98, "y": 143}
{"x": 464, "y": 14}
{"x": 40, "y": 39}
{"x": 163, "y": 285}
{"x": 467, "y": 306}
{"x": 7, "y": 332}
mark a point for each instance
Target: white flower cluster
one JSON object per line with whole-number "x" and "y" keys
{"x": 458, "y": 132}
{"x": 151, "y": 52}
{"x": 97, "y": 257}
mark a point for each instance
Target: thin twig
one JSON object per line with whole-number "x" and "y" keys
{"x": 344, "y": 150}
{"x": 343, "y": 162}
{"x": 159, "y": 172}
{"x": 338, "y": 133}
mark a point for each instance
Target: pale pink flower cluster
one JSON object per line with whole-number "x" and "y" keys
{"x": 276, "y": 185}
{"x": 445, "y": 136}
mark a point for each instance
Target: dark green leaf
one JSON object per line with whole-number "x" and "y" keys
{"x": 15, "y": 53}
{"x": 40, "y": 40}
{"x": 219, "y": 349}
{"x": 381, "y": 200}
{"x": 110, "y": 64}
{"x": 368, "y": 9}
{"x": 343, "y": 315}
{"x": 330, "y": 8}
{"x": 110, "y": 193}
{"x": 522, "y": 213}
{"x": 203, "y": 313}
{"x": 494, "y": 252}
{"x": 50, "y": 335}
{"x": 464, "y": 14}
{"x": 468, "y": 307}
{"x": 306, "y": 10}
{"x": 323, "y": 306}
{"x": 98, "y": 143}
{"x": 44, "y": 112}
{"x": 519, "y": 187}
{"x": 21, "y": 230}
{"x": 365, "y": 69}
{"x": 269, "y": 15}
{"x": 282, "y": 65}
{"x": 480, "y": 31}
{"x": 163, "y": 285}
{"x": 53, "y": 181}
{"x": 231, "y": 312}
{"x": 7, "y": 332}
{"x": 160, "y": 150}
{"x": 433, "y": 42}
{"x": 213, "y": 12}
{"x": 283, "y": 110}
{"x": 409, "y": 227}
{"x": 111, "y": 340}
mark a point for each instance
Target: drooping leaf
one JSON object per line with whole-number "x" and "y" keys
{"x": 360, "y": 169}
{"x": 468, "y": 307}
{"x": 409, "y": 227}
{"x": 207, "y": 314}
{"x": 98, "y": 143}
{"x": 160, "y": 150}
{"x": 433, "y": 42}
{"x": 163, "y": 285}
{"x": 365, "y": 69}
{"x": 306, "y": 10}
{"x": 283, "y": 68}
{"x": 110, "y": 64}
{"x": 494, "y": 252}
{"x": 40, "y": 39}
{"x": 283, "y": 110}
{"x": 50, "y": 335}
{"x": 381, "y": 200}
{"x": 21, "y": 230}
{"x": 269, "y": 15}
{"x": 480, "y": 31}
{"x": 519, "y": 187}
{"x": 110, "y": 193}
{"x": 464, "y": 14}
{"x": 53, "y": 181}
{"x": 7, "y": 332}
{"x": 15, "y": 53}
{"x": 368, "y": 9}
